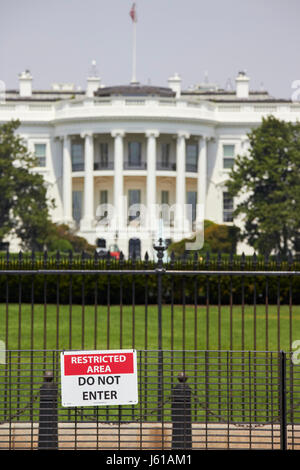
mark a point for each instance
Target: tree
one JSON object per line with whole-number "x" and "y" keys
{"x": 267, "y": 182}
{"x": 221, "y": 237}
{"x": 217, "y": 238}
{"x": 24, "y": 206}
{"x": 61, "y": 237}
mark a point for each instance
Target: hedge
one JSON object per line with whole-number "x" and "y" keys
{"x": 141, "y": 288}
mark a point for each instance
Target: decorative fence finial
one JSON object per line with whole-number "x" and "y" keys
{"x": 160, "y": 249}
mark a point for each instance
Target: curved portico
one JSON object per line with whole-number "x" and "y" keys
{"x": 126, "y": 168}
{"x": 112, "y": 155}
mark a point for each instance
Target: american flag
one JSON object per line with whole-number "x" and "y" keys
{"x": 132, "y": 13}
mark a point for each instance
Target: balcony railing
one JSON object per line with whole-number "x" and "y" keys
{"x": 78, "y": 166}
{"x": 162, "y": 166}
{"x": 166, "y": 166}
{"x": 135, "y": 165}
{"x": 191, "y": 167}
{"x": 103, "y": 165}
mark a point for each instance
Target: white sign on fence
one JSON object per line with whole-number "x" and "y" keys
{"x": 95, "y": 378}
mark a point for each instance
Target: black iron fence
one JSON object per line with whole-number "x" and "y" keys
{"x": 229, "y": 302}
{"x": 209, "y": 400}
{"x": 190, "y": 315}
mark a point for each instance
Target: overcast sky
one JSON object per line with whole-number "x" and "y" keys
{"x": 57, "y": 40}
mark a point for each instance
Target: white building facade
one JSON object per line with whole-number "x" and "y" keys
{"x": 125, "y": 163}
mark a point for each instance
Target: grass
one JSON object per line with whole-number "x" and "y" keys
{"x": 63, "y": 327}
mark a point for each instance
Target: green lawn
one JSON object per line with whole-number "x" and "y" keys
{"x": 85, "y": 328}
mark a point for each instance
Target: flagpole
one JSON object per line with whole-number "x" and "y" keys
{"x": 133, "y": 16}
{"x": 133, "y": 79}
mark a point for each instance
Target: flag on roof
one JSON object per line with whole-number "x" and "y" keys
{"x": 132, "y": 13}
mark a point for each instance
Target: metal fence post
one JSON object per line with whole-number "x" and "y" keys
{"x": 159, "y": 270}
{"x": 48, "y": 419}
{"x": 282, "y": 400}
{"x": 181, "y": 414}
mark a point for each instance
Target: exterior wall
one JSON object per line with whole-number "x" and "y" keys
{"x": 138, "y": 119}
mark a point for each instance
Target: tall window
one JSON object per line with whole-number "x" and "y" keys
{"x": 103, "y": 155}
{"x": 192, "y": 204}
{"x": 134, "y": 199}
{"x": 134, "y": 154}
{"x": 165, "y": 155}
{"x": 103, "y": 200}
{"x": 103, "y": 196}
{"x": 77, "y": 205}
{"x": 40, "y": 153}
{"x": 165, "y": 206}
{"x": 165, "y": 197}
{"x": 228, "y": 156}
{"x": 77, "y": 156}
{"x": 191, "y": 157}
{"x": 227, "y": 207}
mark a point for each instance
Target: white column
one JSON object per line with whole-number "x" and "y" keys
{"x": 151, "y": 178}
{"x": 118, "y": 179}
{"x": 88, "y": 193}
{"x": 67, "y": 181}
{"x": 180, "y": 183}
{"x": 202, "y": 178}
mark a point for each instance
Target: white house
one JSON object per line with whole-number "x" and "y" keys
{"x": 116, "y": 159}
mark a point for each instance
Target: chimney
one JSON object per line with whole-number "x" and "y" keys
{"x": 25, "y": 84}
{"x": 242, "y": 85}
{"x": 93, "y": 81}
{"x": 175, "y": 84}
